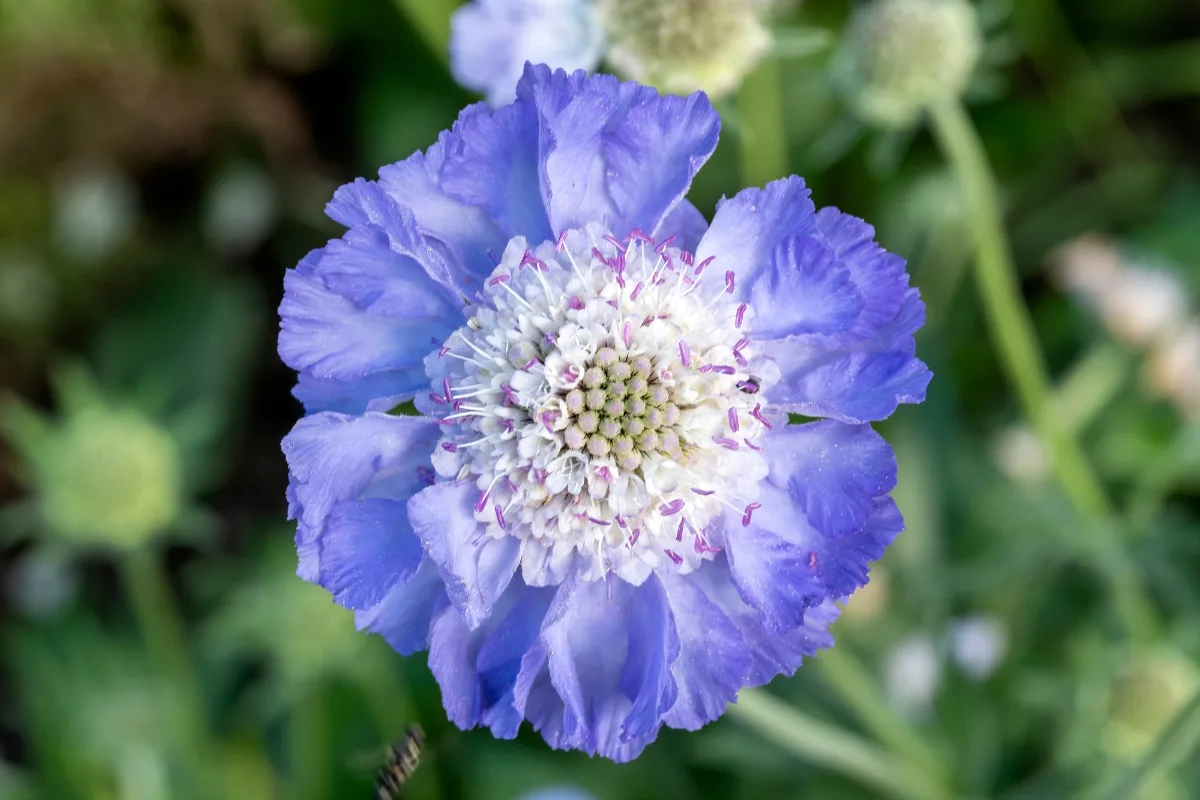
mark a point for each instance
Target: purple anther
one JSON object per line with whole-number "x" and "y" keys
{"x": 707, "y": 368}
{"x": 729, "y": 282}
{"x": 703, "y": 547}
{"x": 740, "y": 359}
{"x": 620, "y": 282}
{"x": 576, "y": 304}
{"x": 704, "y": 492}
{"x": 510, "y": 397}
{"x": 678, "y": 559}
{"x": 812, "y": 559}
{"x": 757, "y": 414}
{"x": 595, "y": 521}
{"x": 726, "y": 442}
{"x": 548, "y": 419}
{"x": 750, "y": 387}
{"x": 621, "y": 521}
{"x": 627, "y": 334}
{"x": 561, "y": 243}
{"x": 481, "y": 503}
{"x": 498, "y": 279}
{"x": 596, "y": 254}
{"x": 685, "y": 353}
{"x": 512, "y": 487}
{"x": 528, "y": 364}
{"x": 446, "y": 389}
{"x": 741, "y": 314}
{"x": 508, "y": 425}
{"x": 637, "y": 290}
{"x": 733, "y": 420}
{"x": 613, "y": 303}
{"x": 637, "y": 532}
{"x": 679, "y": 532}
{"x": 752, "y": 445}
{"x": 608, "y": 237}
{"x": 687, "y": 257}
{"x": 665, "y": 243}
{"x": 437, "y": 398}
{"x": 500, "y": 516}
{"x": 749, "y": 510}
{"x": 457, "y": 405}
{"x": 673, "y": 507}
{"x": 724, "y": 369}
{"x": 443, "y": 351}
{"x": 450, "y": 447}
{"x": 637, "y": 235}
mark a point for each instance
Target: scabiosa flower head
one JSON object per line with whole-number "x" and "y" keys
{"x": 904, "y": 56}
{"x": 490, "y": 41}
{"x": 603, "y": 522}
{"x": 684, "y": 45}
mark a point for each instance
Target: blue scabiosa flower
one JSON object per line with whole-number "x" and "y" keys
{"x": 602, "y": 523}
{"x": 491, "y": 40}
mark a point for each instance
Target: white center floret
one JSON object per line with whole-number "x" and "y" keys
{"x": 604, "y": 397}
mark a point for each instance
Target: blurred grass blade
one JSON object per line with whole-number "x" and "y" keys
{"x": 431, "y": 18}
{"x": 1180, "y": 738}
{"x": 827, "y": 746}
{"x": 764, "y": 151}
{"x": 801, "y": 42}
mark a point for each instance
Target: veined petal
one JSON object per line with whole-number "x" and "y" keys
{"x": 804, "y": 290}
{"x": 476, "y": 567}
{"x": 832, "y": 471}
{"x": 367, "y": 547}
{"x": 402, "y": 618}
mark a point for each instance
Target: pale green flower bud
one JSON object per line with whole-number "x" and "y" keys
{"x": 904, "y": 56}
{"x": 682, "y": 46}
{"x": 103, "y": 476}
{"x": 1151, "y": 688}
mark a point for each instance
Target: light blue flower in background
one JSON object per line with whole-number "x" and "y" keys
{"x": 602, "y": 523}
{"x": 492, "y": 39}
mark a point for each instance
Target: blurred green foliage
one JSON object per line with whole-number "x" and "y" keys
{"x": 163, "y": 161}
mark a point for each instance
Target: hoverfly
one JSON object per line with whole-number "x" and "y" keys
{"x": 403, "y": 757}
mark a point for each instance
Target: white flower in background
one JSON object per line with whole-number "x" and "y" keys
{"x": 94, "y": 212}
{"x": 1020, "y": 455}
{"x": 912, "y": 675}
{"x": 978, "y": 645}
{"x": 1173, "y": 369}
{"x": 902, "y": 57}
{"x": 241, "y": 209}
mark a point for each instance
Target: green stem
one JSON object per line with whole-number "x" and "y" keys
{"x": 307, "y": 747}
{"x": 853, "y": 684}
{"x": 1093, "y": 382}
{"x": 1009, "y": 318}
{"x": 1161, "y": 73}
{"x": 431, "y": 18}
{"x": 163, "y": 636}
{"x": 828, "y": 746}
{"x": 764, "y": 156}
{"x": 1013, "y": 332}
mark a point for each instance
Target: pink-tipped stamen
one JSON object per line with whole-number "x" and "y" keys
{"x": 749, "y": 511}
{"x": 500, "y": 516}
{"x": 685, "y": 353}
{"x": 757, "y": 414}
{"x": 733, "y": 420}
{"x": 673, "y": 507}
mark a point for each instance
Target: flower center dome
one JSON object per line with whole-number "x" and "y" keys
{"x": 604, "y": 399}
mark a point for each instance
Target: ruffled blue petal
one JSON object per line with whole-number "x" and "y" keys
{"x": 496, "y": 168}
{"x": 334, "y": 458}
{"x": 852, "y": 381}
{"x": 804, "y": 290}
{"x": 490, "y": 41}
{"x": 469, "y": 240}
{"x": 477, "y": 568}
{"x": 382, "y": 391}
{"x": 362, "y": 309}
{"x": 402, "y": 618}
{"x": 772, "y": 652}
{"x": 832, "y": 471}
{"x": 609, "y": 648}
{"x": 714, "y": 661}
{"x": 367, "y": 547}
{"x": 747, "y": 228}
{"x": 686, "y": 224}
